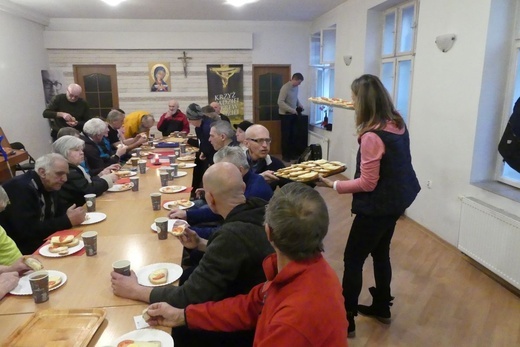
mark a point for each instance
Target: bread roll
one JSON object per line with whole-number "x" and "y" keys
{"x": 59, "y": 249}
{"x": 34, "y": 264}
{"x": 61, "y": 240}
{"x": 145, "y": 315}
{"x": 159, "y": 276}
{"x": 54, "y": 281}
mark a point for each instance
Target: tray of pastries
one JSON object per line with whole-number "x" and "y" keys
{"x": 334, "y": 102}
{"x": 308, "y": 171}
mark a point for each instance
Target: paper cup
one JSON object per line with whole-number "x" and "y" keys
{"x": 142, "y": 166}
{"x": 90, "y": 241}
{"x": 122, "y": 267}
{"x": 164, "y": 178}
{"x": 156, "y": 201}
{"x": 162, "y": 227}
{"x": 172, "y": 158}
{"x": 90, "y": 200}
{"x": 135, "y": 181}
{"x": 39, "y": 281}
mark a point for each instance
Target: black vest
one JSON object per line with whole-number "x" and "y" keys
{"x": 397, "y": 186}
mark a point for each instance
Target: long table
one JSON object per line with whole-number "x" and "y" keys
{"x": 125, "y": 234}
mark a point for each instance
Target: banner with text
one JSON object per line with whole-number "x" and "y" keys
{"x": 226, "y": 86}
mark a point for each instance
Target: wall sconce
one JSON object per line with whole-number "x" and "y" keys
{"x": 445, "y": 42}
{"x": 347, "y": 59}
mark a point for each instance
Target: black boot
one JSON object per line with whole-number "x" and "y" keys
{"x": 351, "y": 330}
{"x": 380, "y": 308}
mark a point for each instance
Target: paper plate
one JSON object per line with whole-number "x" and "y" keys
{"x": 46, "y": 253}
{"x": 146, "y": 335}
{"x": 167, "y": 206}
{"x": 174, "y": 272}
{"x": 171, "y": 223}
{"x": 132, "y": 173}
{"x": 186, "y": 165}
{"x": 121, "y": 187}
{"x": 187, "y": 158}
{"x": 94, "y": 217}
{"x": 24, "y": 287}
{"x": 172, "y": 189}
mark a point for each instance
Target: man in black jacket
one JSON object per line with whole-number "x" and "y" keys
{"x": 231, "y": 265}
{"x": 34, "y": 211}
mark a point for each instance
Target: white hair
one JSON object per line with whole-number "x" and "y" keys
{"x": 232, "y": 154}
{"x": 94, "y": 127}
{"x": 66, "y": 143}
{"x": 46, "y": 162}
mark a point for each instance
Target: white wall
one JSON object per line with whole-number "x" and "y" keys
{"x": 452, "y": 93}
{"x": 22, "y": 56}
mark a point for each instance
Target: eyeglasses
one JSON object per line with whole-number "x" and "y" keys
{"x": 261, "y": 141}
{"x": 50, "y": 84}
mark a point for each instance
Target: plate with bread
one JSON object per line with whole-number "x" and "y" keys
{"x": 172, "y": 189}
{"x": 121, "y": 187}
{"x": 187, "y": 157}
{"x": 174, "y": 226}
{"x": 61, "y": 246}
{"x": 186, "y": 165}
{"x": 144, "y": 338}
{"x": 56, "y": 280}
{"x": 182, "y": 204}
{"x": 309, "y": 171}
{"x": 158, "y": 274}
{"x": 94, "y": 217}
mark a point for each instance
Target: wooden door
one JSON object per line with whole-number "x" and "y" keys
{"x": 267, "y": 81}
{"x": 99, "y": 83}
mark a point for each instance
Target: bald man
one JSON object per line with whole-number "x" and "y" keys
{"x": 216, "y": 106}
{"x": 231, "y": 265}
{"x": 173, "y": 120}
{"x": 67, "y": 110}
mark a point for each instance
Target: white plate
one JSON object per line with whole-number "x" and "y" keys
{"x": 170, "y": 190}
{"x": 94, "y": 217}
{"x": 46, "y": 253}
{"x": 171, "y": 223}
{"x": 181, "y": 174}
{"x": 174, "y": 272}
{"x": 24, "y": 287}
{"x": 121, "y": 187}
{"x": 167, "y": 206}
{"x": 187, "y": 165}
{"x": 132, "y": 173}
{"x": 146, "y": 335}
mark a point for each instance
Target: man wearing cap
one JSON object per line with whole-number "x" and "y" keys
{"x": 241, "y": 133}
{"x": 173, "y": 120}
{"x": 202, "y": 124}
{"x": 289, "y": 107}
{"x": 67, "y": 110}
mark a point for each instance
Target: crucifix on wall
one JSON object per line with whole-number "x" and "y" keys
{"x": 185, "y": 59}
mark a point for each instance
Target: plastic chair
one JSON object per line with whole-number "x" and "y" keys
{"x": 29, "y": 165}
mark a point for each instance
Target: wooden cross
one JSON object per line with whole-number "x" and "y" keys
{"x": 185, "y": 59}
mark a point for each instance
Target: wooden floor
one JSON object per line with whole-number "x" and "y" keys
{"x": 441, "y": 299}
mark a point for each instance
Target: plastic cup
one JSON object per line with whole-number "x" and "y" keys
{"x": 39, "y": 281}
{"x": 164, "y": 178}
{"x": 156, "y": 201}
{"x": 90, "y": 241}
{"x": 90, "y": 200}
{"x": 142, "y": 166}
{"x": 122, "y": 267}
{"x": 161, "y": 224}
{"x": 135, "y": 181}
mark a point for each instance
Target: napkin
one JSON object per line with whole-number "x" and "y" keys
{"x": 123, "y": 180}
{"x": 74, "y": 232}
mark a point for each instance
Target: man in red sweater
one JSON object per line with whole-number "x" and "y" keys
{"x": 173, "y": 120}
{"x": 300, "y": 304}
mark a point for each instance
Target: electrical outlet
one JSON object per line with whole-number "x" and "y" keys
{"x": 429, "y": 184}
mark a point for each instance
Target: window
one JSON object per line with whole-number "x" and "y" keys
{"x": 506, "y": 173}
{"x": 322, "y": 58}
{"x": 397, "y": 53}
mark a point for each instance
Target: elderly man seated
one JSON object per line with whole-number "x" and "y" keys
{"x": 98, "y": 154}
{"x": 79, "y": 182}
{"x": 301, "y": 304}
{"x": 258, "y": 143}
{"x": 115, "y": 119}
{"x": 34, "y": 211}
{"x": 173, "y": 120}
{"x": 138, "y": 122}
{"x": 221, "y": 134}
{"x": 232, "y": 260}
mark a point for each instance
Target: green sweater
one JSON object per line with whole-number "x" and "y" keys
{"x": 9, "y": 252}
{"x": 79, "y": 110}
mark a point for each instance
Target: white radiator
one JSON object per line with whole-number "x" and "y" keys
{"x": 315, "y": 138}
{"x": 491, "y": 237}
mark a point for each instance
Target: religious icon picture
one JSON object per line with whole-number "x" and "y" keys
{"x": 159, "y": 77}
{"x": 52, "y": 81}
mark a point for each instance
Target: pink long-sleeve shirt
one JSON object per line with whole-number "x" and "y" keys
{"x": 372, "y": 150}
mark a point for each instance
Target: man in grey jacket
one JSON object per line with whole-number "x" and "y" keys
{"x": 232, "y": 263}
{"x": 289, "y": 107}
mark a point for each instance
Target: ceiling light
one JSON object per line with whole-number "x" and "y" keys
{"x": 113, "y": 2}
{"x": 238, "y": 3}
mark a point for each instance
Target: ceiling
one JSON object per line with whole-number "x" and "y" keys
{"x": 262, "y": 10}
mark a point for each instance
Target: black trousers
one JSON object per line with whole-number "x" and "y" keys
{"x": 368, "y": 235}
{"x": 288, "y": 123}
